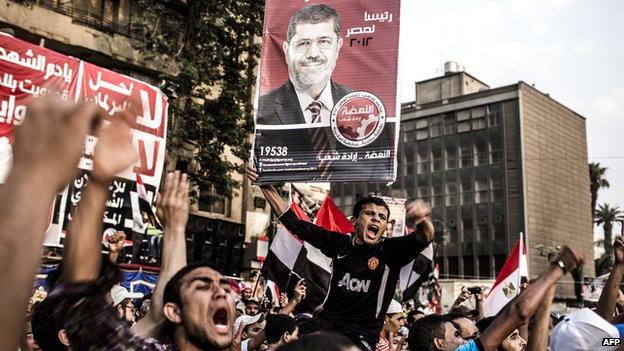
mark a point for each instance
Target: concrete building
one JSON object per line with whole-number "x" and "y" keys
{"x": 492, "y": 162}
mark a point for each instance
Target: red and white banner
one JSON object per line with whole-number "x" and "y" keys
{"x": 507, "y": 284}
{"x": 29, "y": 72}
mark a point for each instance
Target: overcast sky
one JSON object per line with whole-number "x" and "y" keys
{"x": 571, "y": 49}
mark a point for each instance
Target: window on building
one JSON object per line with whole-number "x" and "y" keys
{"x": 410, "y": 181}
{"x": 436, "y": 126}
{"x": 478, "y": 118}
{"x": 450, "y": 152}
{"x": 409, "y": 170}
{"x": 451, "y": 200}
{"x": 494, "y": 115}
{"x": 409, "y": 136}
{"x": 481, "y": 185}
{"x": 422, "y": 151}
{"x": 483, "y": 227}
{"x": 469, "y": 271}
{"x": 422, "y": 167}
{"x": 422, "y": 123}
{"x": 453, "y": 264}
{"x": 408, "y": 152}
{"x": 478, "y": 112}
{"x": 436, "y": 165}
{"x": 467, "y": 198}
{"x": 495, "y": 148}
{"x": 498, "y": 221}
{"x": 480, "y": 149}
{"x": 463, "y": 115}
{"x": 422, "y": 134}
{"x": 467, "y": 223}
{"x": 465, "y": 150}
{"x": 450, "y": 124}
{"x": 211, "y": 201}
{"x": 408, "y": 125}
{"x": 484, "y": 267}
{"x": 452, "y": 228}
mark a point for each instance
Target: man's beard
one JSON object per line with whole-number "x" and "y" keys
{"x": 306, "y": 79}
{"x": 197, "y": 336}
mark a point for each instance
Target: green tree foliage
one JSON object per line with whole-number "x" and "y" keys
{"x": 597, "y": 180}
{"x": 606, "y": 216}
{"x": 211, "y": 48}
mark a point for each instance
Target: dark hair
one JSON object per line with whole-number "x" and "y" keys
{"x": 314, "y": 325}
{"x": 172, "y": 289}
{"x": 313, "y": 14}
{"x": 369, "y": 200}
{"x": 277, "y": 325}
{"x": 424, "y": 330}
{"x": 318, "y": 342}
{"x": 411, "y": 316}
{"x": 47, "y": 321}
{"x": 484, "y": 323}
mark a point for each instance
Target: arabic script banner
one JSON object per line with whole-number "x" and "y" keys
{"x": 328, "y": 106}
{"x": 30, "y": 72}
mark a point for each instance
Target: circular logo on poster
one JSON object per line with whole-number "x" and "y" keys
{"x": 358, "y": 119}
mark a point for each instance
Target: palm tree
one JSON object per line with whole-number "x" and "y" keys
{"x": 597, "y": 180}
{"x": 607, "y": 215}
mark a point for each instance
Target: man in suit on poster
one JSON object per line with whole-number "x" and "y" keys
{"x": 311, "y": 50}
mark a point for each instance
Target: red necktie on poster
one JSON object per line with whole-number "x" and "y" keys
{"x": 319, "y": 138}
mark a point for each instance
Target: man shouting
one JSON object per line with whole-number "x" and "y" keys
{"x": 366, "y": 266}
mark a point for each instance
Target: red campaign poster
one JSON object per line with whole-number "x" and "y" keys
{"x": 28, "y": 72}
{"x": 328, "y": 102}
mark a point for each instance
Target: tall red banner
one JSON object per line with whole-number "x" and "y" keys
{"x": 328, "y": 107}
{"x": 29, "y": 72}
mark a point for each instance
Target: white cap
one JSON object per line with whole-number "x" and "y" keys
{"x": 395, "y": 307}
{"x": 119, "y": 293}
{"x": 582, "y": 330}
{"x": 247, "y": 320}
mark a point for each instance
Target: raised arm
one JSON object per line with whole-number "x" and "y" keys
{"x": 400, "y": 251}
{"x": 520, "y": 310}
{"x": 113, "y": 154}
{"x": 278, "y": 205}
{"x": 47, "y": 149}
{"x": 538, "y": 336}
{"x": 325, "y": 240}
{"x": 609, "y": 295}
{"x": 172, "y": 210}
{"x": 300, "y": 294}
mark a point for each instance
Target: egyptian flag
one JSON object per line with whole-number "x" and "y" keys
{"x": 507, "y": 284}
{"x": 141, "y": 201}
{"x": 416, "y": 273}
{"x": 290, "y": 259}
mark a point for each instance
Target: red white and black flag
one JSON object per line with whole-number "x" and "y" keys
{"x": 416, "y": 273}
{"x": 508, "y": 281}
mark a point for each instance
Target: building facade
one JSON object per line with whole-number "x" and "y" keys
{"x": 492, "y": 163}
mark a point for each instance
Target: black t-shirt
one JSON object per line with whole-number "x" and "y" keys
{"x": 364, "y": 276}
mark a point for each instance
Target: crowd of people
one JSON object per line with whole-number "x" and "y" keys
{"x": 193, "y": 306}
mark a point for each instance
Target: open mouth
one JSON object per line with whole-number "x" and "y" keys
{"x": 221, "y": 320}
{"x": 372, "y": 230}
